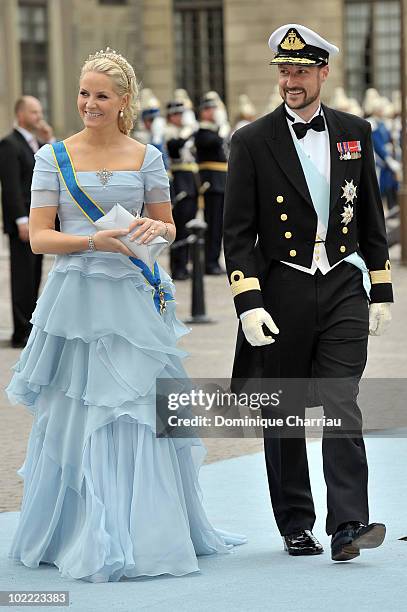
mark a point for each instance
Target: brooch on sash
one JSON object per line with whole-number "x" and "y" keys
{"x": 349, "y": 150}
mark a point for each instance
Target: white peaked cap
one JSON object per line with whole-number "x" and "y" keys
{"x": 355, "y": 108}
{"x": 339, "y": 99}
{"x": 181, "y": 95}
{"x": 246, "y": 107}
{"x": 371, "y": 95}
{"x": 295, "y": 44}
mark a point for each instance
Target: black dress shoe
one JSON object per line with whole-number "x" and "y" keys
{"x": 302, "y": 543}
{"x": 350, "y": 537}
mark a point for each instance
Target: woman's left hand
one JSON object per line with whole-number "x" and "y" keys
{"x": 147, "y": 229}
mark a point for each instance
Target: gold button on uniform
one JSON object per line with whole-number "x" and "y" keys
{"x": 342, "y": 249}
{"x": 293, "y": 253}
{"x": 280, "y": 199}
{"x": 345, "y": 230}
{"x": 288, "y": 234}
{"x": 283, "y": 217}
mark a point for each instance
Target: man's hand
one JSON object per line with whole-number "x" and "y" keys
{"x": 23, "y": 232}
{"x": 379, "y": 318}
{"x": 252, "y": 325}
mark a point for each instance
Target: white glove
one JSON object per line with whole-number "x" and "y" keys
{"x": 252, "y": 322}
{"x": 379, "y": 318}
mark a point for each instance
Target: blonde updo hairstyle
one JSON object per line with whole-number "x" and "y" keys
{"x": 115, "y": 66}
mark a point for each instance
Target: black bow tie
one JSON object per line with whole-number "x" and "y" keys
{"x": 300, "y": 129}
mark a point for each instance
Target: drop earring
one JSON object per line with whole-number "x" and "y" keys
{"x": 121, "y": 113}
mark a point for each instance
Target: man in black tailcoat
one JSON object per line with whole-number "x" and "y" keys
{"x": 211, "y": 158}
{"x": 185, "y": 182}
{"x": 307, "y": 258}
{"x": 16, "y": 168}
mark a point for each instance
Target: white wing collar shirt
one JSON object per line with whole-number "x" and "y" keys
{"x": 316, "y": 147}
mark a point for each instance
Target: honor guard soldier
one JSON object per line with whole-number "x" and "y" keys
{"x": 307, "y": 257}
{"x": 154, "y": 124}
{"x": 212, "y": 164}
{"x": 185, "y": 179}
{"x": 247, "y": 112}
{"x": 388, "y": 168}
{"x": 188, "y": 117}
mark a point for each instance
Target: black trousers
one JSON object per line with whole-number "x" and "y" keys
{"x": 25, "y": 277}
{"x": 183, "y": 211}
{"x": 214, "y": 231}
{"x": 323, "y": 323}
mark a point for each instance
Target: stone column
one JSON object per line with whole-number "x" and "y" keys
{"x": 10, "y": 72}
{"x": 159, "y": 57}
{"x": 58, "y": 70}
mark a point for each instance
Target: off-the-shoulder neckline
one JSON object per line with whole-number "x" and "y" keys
{"x": 148, "y": 148}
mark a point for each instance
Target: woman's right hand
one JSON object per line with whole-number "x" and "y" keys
{"x": 107, "y": 240}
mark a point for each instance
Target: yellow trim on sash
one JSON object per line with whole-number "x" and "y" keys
{"x": 381, "y": 276}
{"x": 76, "y": 180}
{"x": 187, "y": 167}
{"x": 219, "y": 166}
{"x": 240, "y": 284}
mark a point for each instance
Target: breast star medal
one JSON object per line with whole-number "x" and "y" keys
{"x": 104, "y": 176}
{"x": 347, "y": 214}
{"x": 349, "y": 192}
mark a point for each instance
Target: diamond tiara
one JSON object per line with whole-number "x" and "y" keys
{"x": 116, "y": 58}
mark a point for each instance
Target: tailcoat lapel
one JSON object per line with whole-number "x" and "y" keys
{"x": 282, "y": 147}
{"x": 20, "y": 138}
{"x": 338, "y": 166}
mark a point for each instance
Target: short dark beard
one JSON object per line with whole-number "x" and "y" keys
{"x": 306, "y": 102}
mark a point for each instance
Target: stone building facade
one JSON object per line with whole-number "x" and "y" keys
{"x": 197, "y": 44}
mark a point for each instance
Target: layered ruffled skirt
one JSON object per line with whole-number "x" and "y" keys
{"x": 103, "y": 497}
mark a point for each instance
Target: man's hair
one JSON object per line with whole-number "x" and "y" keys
{"x": 19, "y": 105}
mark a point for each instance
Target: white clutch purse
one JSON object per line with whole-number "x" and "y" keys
{"x": 118, "y": 218}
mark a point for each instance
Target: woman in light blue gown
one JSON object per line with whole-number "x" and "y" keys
{"x": 103, "y": 497}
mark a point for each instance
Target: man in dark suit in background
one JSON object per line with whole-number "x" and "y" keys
{"x": 306, "y": 252}
{"x": 16, "y": 168}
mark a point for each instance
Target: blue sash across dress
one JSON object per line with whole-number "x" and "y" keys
{"x": 319, "y": 189}
{"x": 93, "y": 212}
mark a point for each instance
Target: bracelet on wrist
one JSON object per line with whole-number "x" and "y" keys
{"x": 91, "y": 244}
{"x": 166, "y": 229}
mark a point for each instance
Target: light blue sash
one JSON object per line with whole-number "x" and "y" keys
{"x": 320, "y": 192}
{"x": 93, "y": 212}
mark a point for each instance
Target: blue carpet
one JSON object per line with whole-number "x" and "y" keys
{"x": 258, "y": 575}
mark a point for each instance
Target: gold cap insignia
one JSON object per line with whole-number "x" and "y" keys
{"x": 292, "y": 42}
